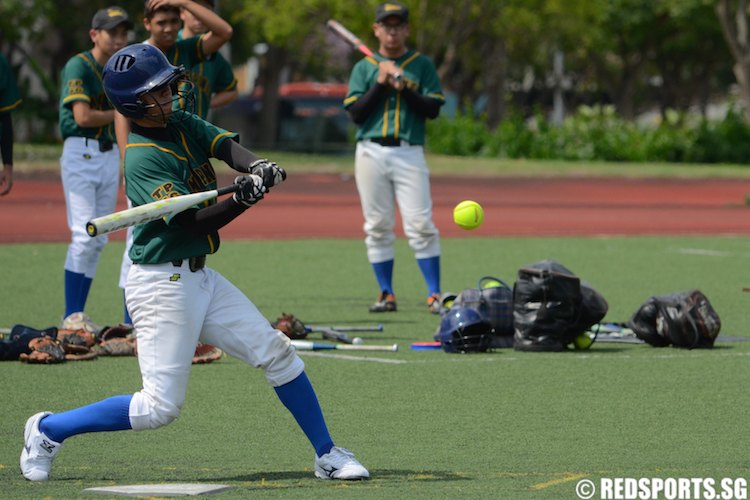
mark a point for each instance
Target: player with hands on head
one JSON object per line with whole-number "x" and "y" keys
{"x": 90, "y": 165}
{"x": 215, "y": 83}
{"x": 175, "y": 300}
{"x": 10, "y": 99}
{"x": 390, "y": 97}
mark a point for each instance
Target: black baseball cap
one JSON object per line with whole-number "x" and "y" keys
{"x": 389, "y": 9}
{"x": 106, "y": 19}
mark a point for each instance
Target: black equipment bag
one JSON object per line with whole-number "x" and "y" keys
{"x": 552, "y": 306}
{"x": 17, "y": 341}
{"x": 683, "y": 319}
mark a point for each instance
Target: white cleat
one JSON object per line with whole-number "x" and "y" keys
{"x": 339, "y": 463}
{"x": 38, "y": 450}
{"x": 80, "y": 321}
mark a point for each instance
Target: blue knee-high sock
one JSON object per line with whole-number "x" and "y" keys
{"x": 384, "y": 275}
{"x": 85, "y": 287}
{"x": 300, "y": 399}
{"x": 73, "y": 288}
{"x": 430, "y": 268}
{"x": 126, "y": 319}
{"x": 110, "y": 414}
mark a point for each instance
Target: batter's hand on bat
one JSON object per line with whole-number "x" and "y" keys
{"x": 269, "y": 171}
{"x": 250, "y": 190}
{"x": 390, "y": 74}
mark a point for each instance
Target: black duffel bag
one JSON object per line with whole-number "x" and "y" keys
{"x": 552, "y": 306}
{"x": 683, "y": 319}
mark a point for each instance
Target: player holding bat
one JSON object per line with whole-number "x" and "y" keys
{"x": 174, "y": 299}
{"x": 390, "y": 98}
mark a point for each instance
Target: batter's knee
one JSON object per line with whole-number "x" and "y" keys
{"x": 148, "y": 413}
{"x": 284, "y": 366}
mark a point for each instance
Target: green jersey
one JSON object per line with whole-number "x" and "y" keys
{"x": 10, "y": 98}
{"x": 212, "y": 75}
{"x": 176, "y": 163}
{"x": 81, "y": 80}
{"x": 392, "y": 116}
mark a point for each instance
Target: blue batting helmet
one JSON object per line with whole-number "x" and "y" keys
{"x": 136, "y": 70}
{"x": 462, "y": 329}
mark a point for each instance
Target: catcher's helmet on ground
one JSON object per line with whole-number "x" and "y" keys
{"x": 462, "y": 329}
{"x": 136, "y": 70}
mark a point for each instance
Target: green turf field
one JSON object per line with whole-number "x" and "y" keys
{"x": 426, "y": 424}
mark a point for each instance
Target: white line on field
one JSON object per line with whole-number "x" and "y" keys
{"x": 702, "y": 353}
{"x": 352, "y": 358}
{"x": 704, "y": 252}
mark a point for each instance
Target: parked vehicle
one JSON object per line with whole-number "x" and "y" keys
{"x": 311, "y": 118}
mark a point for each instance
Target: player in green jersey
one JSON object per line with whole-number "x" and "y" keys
{"x": 90, "y": 166}
{"x": 175, "y": 300}
{"x": 214, "y": 81}
{"x": 162, "y": 20}
{"x": 10, "y": 99}
{"x": 390, "y": 97}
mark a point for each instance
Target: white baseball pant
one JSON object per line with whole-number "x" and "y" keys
{"x": 389, "y": 175}
{"x": 172, "y": 309}
{"x": 90, "y": 181}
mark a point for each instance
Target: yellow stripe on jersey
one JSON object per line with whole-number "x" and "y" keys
{"x": 216, "y": 139}
{"x": 184, "y": 144}
{"x": 14, "y": 105}
{"x": 396, "y": 117}
{"x": 153, "y": 145}
{"x": 91, "y": 65}
{"x": 385, "y": 119}
{"x": 413, "y": 56}
{"x": 76, "y": 97}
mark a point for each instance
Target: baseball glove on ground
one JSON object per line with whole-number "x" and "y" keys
{"x": 76, "y": 341}
{"x": 45, "y": 350}
{"x": 117, "y": 346}
{"x": 290, "y": 326}
{"x": 117, "y": 331}
{"x": 206, "y": 353}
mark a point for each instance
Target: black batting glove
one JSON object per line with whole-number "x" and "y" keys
{"x": 250, "y": 190}
{"x": 271, "y": 173}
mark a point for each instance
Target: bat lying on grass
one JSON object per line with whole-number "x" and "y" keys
{"x": 152, "y": 211}
{"x": 338, "y": 334}
{"x": 307, "y": 345}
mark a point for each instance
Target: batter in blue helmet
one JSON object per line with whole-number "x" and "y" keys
{"x": 174, "y": 299}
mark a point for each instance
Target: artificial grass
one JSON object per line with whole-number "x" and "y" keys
{"x": 427, "y": 424}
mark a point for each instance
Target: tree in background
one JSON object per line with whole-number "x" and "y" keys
{"x": 636, "y": 54}
{"x": 732, "y": 16}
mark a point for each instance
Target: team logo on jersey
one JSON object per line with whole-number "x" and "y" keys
{"x": 75, "y": 86}
{"x": 175, "y": 277}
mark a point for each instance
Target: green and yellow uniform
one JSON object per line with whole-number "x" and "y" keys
{"x": 172, "y": 165}
{"x": 214, "y": 74}
{"x": 10, "y": 97}
{"x": 391, "y": 117}
{"x": 81, "y": 80}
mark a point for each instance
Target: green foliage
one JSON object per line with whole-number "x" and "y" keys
{"x": 596, "y": 133}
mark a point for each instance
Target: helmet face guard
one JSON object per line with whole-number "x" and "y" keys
{"x": 462, "y": 329}
{"x": 139, "y": 70}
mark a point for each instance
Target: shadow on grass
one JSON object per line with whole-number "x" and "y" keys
{"x": 377, "y": 475}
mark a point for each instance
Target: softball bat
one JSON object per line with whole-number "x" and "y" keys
{"x": 307, "y": 345}
{"x": 151, "y": 211}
